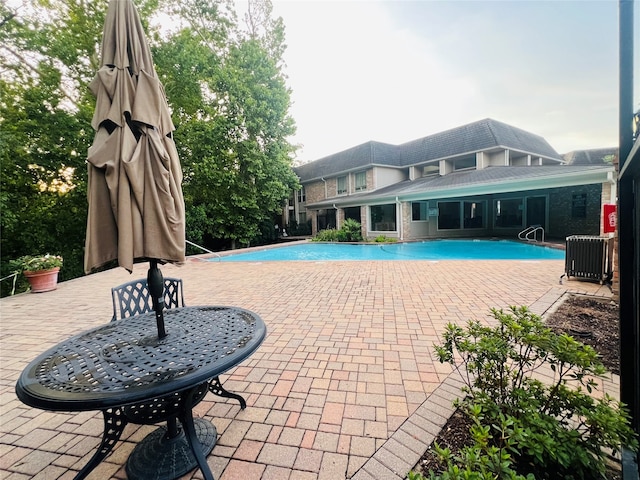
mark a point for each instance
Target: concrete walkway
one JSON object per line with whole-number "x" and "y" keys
{"x": 346, "y": 384}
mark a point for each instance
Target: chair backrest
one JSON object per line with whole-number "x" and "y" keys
{"x": 133, "y": 298}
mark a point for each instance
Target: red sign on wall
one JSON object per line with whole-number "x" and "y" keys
{"x": 609, "y": 217}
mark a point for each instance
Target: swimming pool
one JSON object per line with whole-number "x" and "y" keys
{"x": 427, "y": 250}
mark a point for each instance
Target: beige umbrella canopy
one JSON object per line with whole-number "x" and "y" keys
{"x": 136, "y": 207}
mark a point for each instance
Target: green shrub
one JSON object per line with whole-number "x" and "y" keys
{"x": 352, "y": 230}
{"x": 341, "y": 236}
{"x": 328, "y": 235}
{"x": 484, "y": 460}
{"x": 385, "y": 239}
{"x": 542, "y": 430}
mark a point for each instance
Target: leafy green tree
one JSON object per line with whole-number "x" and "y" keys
{"x": 44, "y": 122}
{"x": 233, "y": 124}
{"x": 230, "y": 104}
{"x": 49, "y": 52}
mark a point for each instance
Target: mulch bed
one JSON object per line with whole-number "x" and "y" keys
{"x": 592, "y": 321}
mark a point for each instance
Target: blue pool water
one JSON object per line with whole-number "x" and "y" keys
{"x": 428, "y": 250}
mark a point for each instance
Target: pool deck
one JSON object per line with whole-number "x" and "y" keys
{"x": 346, "y": 384}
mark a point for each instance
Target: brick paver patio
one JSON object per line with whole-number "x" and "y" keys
{"x": 345, "y": 385}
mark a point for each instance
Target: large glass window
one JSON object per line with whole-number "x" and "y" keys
{"x": 353, "y": 213}
{"x": 302, "y": 196}
{"x": 419, "y": 211}
{"x": 448, "y": 215}
{"x": 383, "y": 217}
{"x": 361, "y": 181}
{"x": 509, "y": 213}
{"x": 342, "y": 185}
{"x": 473, "y": 214}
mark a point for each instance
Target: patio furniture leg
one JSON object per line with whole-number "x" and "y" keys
{"x": 186, "y": 418}
{"x": 114, "y": 423}
{"x": 215, "y": 387}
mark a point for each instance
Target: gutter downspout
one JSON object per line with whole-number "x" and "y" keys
{"x": 337, "y": 219}
{"x": 611, "y": 178}
{"x": 401, "y": 222}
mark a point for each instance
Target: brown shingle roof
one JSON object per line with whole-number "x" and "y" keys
{"x": 481, "y": 135}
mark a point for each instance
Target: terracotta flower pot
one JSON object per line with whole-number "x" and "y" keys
{"x": 43, "y": 280}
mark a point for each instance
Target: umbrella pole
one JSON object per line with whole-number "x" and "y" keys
{"x": 155, "y": 281}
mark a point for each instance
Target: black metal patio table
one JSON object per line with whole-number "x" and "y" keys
{"x": 132, "y": 376}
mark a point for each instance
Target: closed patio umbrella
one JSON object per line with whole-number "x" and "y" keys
{"x": 136, "y": 207}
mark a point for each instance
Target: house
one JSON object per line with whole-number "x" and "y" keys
{"x": 486, "y": 178}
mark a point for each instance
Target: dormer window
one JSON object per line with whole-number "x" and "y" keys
{"x": 468, "y": 163}
{"x": 457, "y": 164}
{"x": 342, "y": 185}
{"x": 429, "y": 170}
{"x": 361, "y": 181}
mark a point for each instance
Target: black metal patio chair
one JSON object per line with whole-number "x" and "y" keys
{"x": 133, "y": 298}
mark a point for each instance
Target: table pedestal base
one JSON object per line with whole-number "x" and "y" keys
{"x": 160, "y": 458}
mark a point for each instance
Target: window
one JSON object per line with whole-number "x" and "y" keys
{"x": 473, "y": 214}
{"x": 509, "y": 213}
{"x": 429, "y": 170}
{"x": 464, "y": 163}
{"x": 302, "y": 196}
{"x": 383, "y": 217}
{"x": 579, "y": 205}
{"x": 448, "y": 215}
{"x": 361, "y": 181}
{"x": 419, "y": 211}
{"x": 342, "y": 185}
{"x": 353, "y": 213}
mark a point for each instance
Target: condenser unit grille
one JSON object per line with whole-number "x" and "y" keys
{"x": 588, "y": 257}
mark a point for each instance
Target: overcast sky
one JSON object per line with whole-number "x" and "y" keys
{"x": 395, "y": 71}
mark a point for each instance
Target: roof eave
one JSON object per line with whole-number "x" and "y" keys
{"x": 565, "y": 179}
{"x": 350, "y": 170}
{"x": 587, "y": 177}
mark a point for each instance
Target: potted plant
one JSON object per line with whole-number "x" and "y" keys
{"x": 41, "y": 271}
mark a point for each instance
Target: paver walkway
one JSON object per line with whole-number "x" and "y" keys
{"x": 345, "y": 385}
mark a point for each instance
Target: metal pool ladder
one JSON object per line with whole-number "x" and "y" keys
{"x": 530, "y": 233}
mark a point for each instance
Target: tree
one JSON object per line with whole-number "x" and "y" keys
{"x": 49, "y": 52}
{"x": 230, "y": 105}
{"x": 44, "y": 125}
{"x": 232, "y": 137}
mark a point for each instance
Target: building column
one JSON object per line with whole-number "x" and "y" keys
{"x": 364, "y": 226}
{"x": 339, "y": 217}
{"x": 313, "y": 215}
{"x": 405, "y": 218}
